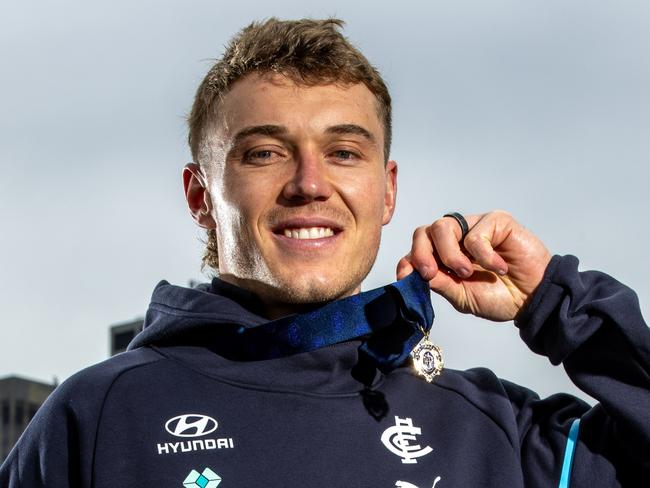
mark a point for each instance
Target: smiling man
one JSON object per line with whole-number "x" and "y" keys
{"x": 294, "y": 178}
{"x": 282, "y": 373}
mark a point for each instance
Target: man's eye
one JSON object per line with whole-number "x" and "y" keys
{"x": 344, "y": 155}
{"x": 258, "y": 156}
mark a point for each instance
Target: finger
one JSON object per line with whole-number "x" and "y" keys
{"x": 487, "y": 234}
{"x": 444, "y": 281}
{"x": 446, "y": 284}
{"x": 404, "y": 267}
{"x": 445, "y": 233}
{"x": 422, "y": 254}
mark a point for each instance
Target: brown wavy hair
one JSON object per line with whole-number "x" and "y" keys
{"x": 309, "y": 52}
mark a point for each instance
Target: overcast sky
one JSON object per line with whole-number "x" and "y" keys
{"x": 541, "y": 108}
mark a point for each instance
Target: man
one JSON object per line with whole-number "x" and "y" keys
{"x": 281, "y": 373}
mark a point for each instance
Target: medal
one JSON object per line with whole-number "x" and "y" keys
{"x": 427, "y": 358}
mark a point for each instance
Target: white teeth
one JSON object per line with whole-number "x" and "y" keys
{"x": 309, "y": 233}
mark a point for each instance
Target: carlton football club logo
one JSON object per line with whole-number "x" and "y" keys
{"x": 399, "y": 437}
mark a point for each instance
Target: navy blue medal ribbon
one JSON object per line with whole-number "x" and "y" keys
{"x": 389, "y": 320}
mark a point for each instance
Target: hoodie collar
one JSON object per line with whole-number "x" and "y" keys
{"x": 392, "y": 318}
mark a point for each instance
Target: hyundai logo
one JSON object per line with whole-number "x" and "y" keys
{"x": 191, "y": 425}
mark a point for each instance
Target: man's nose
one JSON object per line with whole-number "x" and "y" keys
{"x": 310, "y": 180}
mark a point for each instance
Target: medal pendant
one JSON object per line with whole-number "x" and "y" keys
{"x": 427, "y": 359}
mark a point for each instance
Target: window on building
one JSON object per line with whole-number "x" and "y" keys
{"x": 19, "y": 413}
{"x": 5, "y": 412}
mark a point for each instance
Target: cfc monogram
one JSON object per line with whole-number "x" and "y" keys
{"x": 398, "y": 438}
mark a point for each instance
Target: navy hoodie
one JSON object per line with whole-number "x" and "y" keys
{"x": 174, "y": 411}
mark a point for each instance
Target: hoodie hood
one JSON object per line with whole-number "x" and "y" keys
{"x": 176, "y": 314}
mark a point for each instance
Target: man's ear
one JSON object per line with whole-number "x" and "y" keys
{"x": 391, "y": 191}
{"x": 197, "y": 196}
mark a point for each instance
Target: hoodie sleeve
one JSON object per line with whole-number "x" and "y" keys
{"x": 592, "y": 324}
{"x": 57, "y": 448}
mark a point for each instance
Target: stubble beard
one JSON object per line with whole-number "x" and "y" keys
{"x": 277, "y": 286}
{"x": 294, "y": 293}
{"x": 306, "y": 290}
{"x": 312, "y": 288}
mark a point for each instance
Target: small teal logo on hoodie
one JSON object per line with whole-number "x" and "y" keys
{"x": 206, "y": 479}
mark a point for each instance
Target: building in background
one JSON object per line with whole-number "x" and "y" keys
{"x": 20, "y": 398}
{"x": 122, "y": 334}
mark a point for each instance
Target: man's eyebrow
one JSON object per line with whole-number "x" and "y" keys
{"x": 261, "y": 130}
{"x": 351, "y": 129}
{"x": 277, "y": 130}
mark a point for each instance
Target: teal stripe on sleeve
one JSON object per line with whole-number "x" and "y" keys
{"x": 565, "y": 477}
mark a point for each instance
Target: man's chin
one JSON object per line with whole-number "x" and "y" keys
{"x": 302, "y": 285}
{"x": 306, "y": 290}
{"x": 297, "y": 289}
{"x": 284, "y": 295}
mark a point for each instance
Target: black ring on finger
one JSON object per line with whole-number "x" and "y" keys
{"x": 464, "y": 226}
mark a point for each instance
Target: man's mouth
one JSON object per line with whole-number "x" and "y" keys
{"x": 307, "y": 229}
{"x": 309, "y": 232}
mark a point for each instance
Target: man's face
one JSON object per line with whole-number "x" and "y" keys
{"x": 299, "y": 188}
